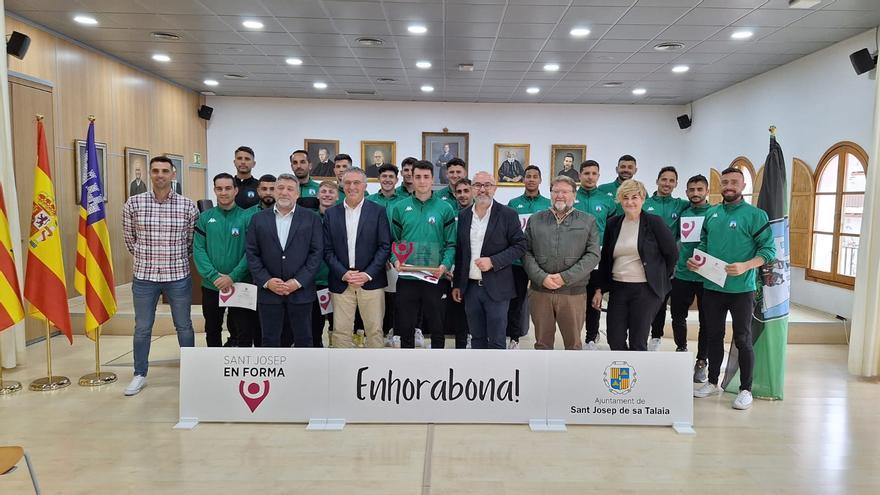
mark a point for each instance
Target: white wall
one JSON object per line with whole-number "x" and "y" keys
{"x": 275, "y": 127}
{"x": 815, "y": 101}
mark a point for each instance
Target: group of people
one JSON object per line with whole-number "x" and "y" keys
{"x": 410, "y": 260}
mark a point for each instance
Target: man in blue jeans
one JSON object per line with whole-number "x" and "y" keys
{"x": 158, "y": 231}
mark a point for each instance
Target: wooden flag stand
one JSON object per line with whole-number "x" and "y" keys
{"x": 50, "y": 382}
{"x": 99, "y": 377}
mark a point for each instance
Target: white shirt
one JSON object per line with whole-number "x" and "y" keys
{"x": 352, "y": 219}
{"x": 282, "y": 225}
{"x": 478, "y": 233}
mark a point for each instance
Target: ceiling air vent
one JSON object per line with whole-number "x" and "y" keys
{"x": 669, "y": 46}
{"x": 370, "y": 42}
{"x": 612, "y": 84}
{"x": 465, "y": 67}
{"x": 159, "y": 35}
{"x": 234, "y": 76}
{"x": 386, "y": 80}
{"x": 360, "y": 92}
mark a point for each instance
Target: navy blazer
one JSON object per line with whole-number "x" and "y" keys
{"x": 372, "y": 246}
{"x": 503, "y": 243}
{"x": 299, "y": 259}
{"x": 657, "y": 250}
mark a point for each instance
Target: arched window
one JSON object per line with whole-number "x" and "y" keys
{"x": 748, "y": 171}
{"x": 837, "y": 214}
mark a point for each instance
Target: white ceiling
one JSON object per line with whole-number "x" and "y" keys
{"x": 507, "y": 41}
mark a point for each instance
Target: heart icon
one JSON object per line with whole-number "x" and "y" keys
{"x": 225, "y": 294}
{"x": 252, "y": 396}
{"x": 324, "y": 301}
{"x": 687, "y": 227}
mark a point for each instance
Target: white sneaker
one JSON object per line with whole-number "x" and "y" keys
{"x": 513, "y": 345}
{"x": 468, "y": 346}
{"x": 743, "y": 400}
{"x": 707, "y": 389}
{"x": 591, "y": 346}
{"x": 137, "y": 384}
{"x": 419, "y": 338}
{"x": 389, "y": 339}
{"x": 654, "y": 344}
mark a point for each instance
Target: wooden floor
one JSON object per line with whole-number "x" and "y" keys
{"x": 824, "y": 438}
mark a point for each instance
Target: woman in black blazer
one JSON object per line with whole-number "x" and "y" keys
{"x": 639, "y": 254}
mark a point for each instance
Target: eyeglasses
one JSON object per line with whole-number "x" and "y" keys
{"x": 480, "y": 185}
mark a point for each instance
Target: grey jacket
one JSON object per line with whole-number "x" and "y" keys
{"x": 570, "y": 248}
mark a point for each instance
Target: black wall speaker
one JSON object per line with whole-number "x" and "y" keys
{"x": 684, "y": 121}
{"x": 18, "y": 44}
{"x": 205, "y": 112}
{"x": 862, "y": 61}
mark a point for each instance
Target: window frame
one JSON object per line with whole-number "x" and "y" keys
{"x": 839, "y": 150}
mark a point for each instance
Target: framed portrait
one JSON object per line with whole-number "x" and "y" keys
{"x": 510, "y": 163}
{"x": 321, "y": 153}
{"x": 566, "y": 159}
{"x": 180, "y": 170}
{"x": 440, "y": 147}
{"x": 374, "y": 154}
{"x": 137, "y": 171}
{"x": 79, "y": 146}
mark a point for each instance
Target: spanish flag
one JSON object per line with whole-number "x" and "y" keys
{"x": 44, "y": 285}
{"x": 94, "y": 265}
{"x": 11, "y": 311}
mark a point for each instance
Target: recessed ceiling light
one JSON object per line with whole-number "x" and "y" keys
{"x": 533, "y": 90}
{"x": 294, "y": 61}
{"x": 427, "y": 88}
{"x": 417, "y": 29}
{"x": 465, "y": 67}
{"x": 86, "y": 19}
{"x": 252, "y": 24}
{"x": 423, "y": 64}
{"x": 161, "y": 57}
{"x": 742, "y": 35}
{"x": 551, "y": 67}
{"x": 579, "y": 32}
{"x": 639, "y": 91}
{"x": 320, "y": 85}
{"x": 679, "y": 69}
{"x": 211, "y": 82}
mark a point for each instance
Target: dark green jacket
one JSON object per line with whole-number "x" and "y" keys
{"x": 598, "y": 203}
{"x": 686, "y": 249}
{"x": 524, "y": 205}
{"x": 431, "y": 227}
{"x": 219, "y": 244}
{"x": 667, "y": 208}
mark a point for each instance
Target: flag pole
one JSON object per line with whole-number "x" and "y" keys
{"x": 8, "y": 386}
{"x": 99, "y": 377}
{"x": 50, "y": 382}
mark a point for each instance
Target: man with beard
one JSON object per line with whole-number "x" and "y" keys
{"x": 266, "y": 191}
{"x": 456, "y": 170}
{"x": 324, "y": 167}
{"x": 563, "y": 249}
{"x": 626, "y": 169}
{"x": 686, "y": 285}
{"x": 662, "y": 204}
{"x": 602, "y": 206}
{"x": 568, "y": 168}
{"x": 245, "y": 182}
{"x": 738, "y": 234}
{"x": 528, "y": 204}
{"x": 299, "y": 164}
{"x": 489, "y": 241}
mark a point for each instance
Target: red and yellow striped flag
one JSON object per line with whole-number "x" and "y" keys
{"x": 44, "y": 285}
{"x": 11, "y": 311}
{"x": 94, "y": 265}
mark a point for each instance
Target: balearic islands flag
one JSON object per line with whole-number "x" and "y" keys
{"x": 11, "y": 311}
{"x": 770, "y": 319}
{"x": 44, "y": 285}
{"x": 94, "y": 263}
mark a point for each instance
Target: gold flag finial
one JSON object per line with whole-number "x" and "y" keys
{"x": 773, "y": 130}
{"x": 39, "y": 116}
{"x": 91, "y": 118}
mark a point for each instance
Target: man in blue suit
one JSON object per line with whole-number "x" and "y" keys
{"x": 284, "y": 247}
{"x": 357, "y": 243}
{"x": 489, "y": 240}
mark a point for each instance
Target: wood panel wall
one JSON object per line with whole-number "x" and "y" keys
{"x": 132, "y": 109}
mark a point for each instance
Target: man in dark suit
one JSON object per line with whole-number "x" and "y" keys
{"x": 440, "y": 164}
{"x": 489, "y": 240}
{"x": 357, "y": 243}
{"x": 284, "y": 247}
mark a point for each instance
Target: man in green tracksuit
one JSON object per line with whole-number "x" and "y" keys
{"x": 406, "y": 184}
{"x": 669, "y": 209}
{"x": 423, "y": 232}
{"x": 341, "y": 163}
{"x": 456, "y": 169}
{"x": 687, "y": 285}
{"x": 525, "y": 206}
{"x": 738, "y": 234}
{"x": 601, "y": 205}
{"x": 626, "y": 169}
{"x": 299, "y": 164}
{"x": 219, "y": 255}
